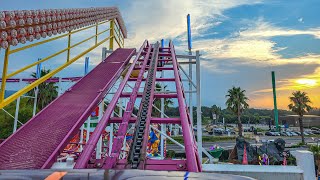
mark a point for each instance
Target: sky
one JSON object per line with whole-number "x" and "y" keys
{"x": 240, "y": 41}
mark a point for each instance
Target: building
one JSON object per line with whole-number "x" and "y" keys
{"x": 293, "y": 120}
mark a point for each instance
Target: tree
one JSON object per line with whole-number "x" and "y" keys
{"x": 47, "y": 91}
{"x": 157, "y": 102}
{"x": 217, "y": 111}
{"x": 237, "y": 103}
{"x": 300, "y": 105}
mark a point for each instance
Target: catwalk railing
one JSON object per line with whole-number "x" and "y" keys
{"x": 17, "y": 27}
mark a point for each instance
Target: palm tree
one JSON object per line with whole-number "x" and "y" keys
{"x": 300, "y": 105}
{"x": 47, "y": 91}
{"x": 237, "y": 103}
{"x": 217, "y": 111}
{"x": 157, "y": 102}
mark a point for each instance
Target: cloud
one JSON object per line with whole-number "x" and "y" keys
{"x": 252, "y": 46}
{"x": 262, "y": 29}
{"x": 304, "y": 82}
{"x": 168, "y": 19}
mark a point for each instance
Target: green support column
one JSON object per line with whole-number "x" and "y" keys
{"x": 275, "y": 100}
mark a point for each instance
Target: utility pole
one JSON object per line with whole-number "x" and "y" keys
{"x": 275, "y": 100}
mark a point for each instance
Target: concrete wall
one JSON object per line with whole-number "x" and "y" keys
{"x": 257, "y": 172}
{"x": 305, "y": 169}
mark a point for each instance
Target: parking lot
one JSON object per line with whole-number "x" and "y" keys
{"x": 261, "y": 130}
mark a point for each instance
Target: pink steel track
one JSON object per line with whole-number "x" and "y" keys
{"x": 38, "y": 143}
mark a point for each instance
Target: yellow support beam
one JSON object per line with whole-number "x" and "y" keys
{"x": 47, "y": 76}
{"x": 69, "y": 43}
{"x": 4, "y": 74}
{"x": 96, "y": 40}
{"x": 111, "y": 34}
{"x": 53, "y": 55}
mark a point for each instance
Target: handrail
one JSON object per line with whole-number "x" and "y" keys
{"x": 116, "y": 29}
{"x": 54, "y": 38}
{"x": 53, "y": 55}
{"x": 11, "y": 98}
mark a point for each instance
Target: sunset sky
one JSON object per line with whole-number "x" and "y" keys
{"x": 241, "y": 42}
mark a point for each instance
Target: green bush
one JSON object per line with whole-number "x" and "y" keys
{"x": 300, "y": 144}
{"x": 171, "y": 154}
{"x": 315, "y": 149}
{"x": 259, "y": 130}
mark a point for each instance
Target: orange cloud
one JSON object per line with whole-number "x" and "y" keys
{"x": 265, "y": 100}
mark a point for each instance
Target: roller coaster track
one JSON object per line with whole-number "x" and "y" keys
{"x": 51, "y": 130}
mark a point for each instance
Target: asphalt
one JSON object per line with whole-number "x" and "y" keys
{"x": 231, "y": 143}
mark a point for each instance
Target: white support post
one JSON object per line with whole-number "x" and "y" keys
{"x": 190, "y": 88}
{"x": 199, "y": 121}
{"x": 99, "y": 144}
{"x": 163, "y": 130}
{"x": 88, "y": 128}
{"x": 121, "y": 100}
{"x": 60, "y": 86}
{"x": 111, "y": 133}
{"x": 38, "y": 76}
{"x": 111, "y": 136}
{"x": 86, "y": 71}
{"x": 35, "y": 101}
{"x": 16, "y": 116}
{"x": 81, "y": 137}
{"x": 104, "y": 53}
{"x": 163, "y": 134}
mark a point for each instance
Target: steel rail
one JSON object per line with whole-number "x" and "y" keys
{"x": 91, "y": 144}
{"x": 117, "y": 145}
{"x": 138, "y": 149}
{"x": 192, "y": 158}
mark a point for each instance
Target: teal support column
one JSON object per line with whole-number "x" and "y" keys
{"x": 276, "y": 120}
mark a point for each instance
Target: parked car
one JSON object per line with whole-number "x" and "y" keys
{"x": 283, "y": 134}
{"x": 195, "y": 129}
{"x": 229, "y": 130}
{"x": 309, "y": 132}
{"x": 288, "y": 133}
{"x": 268, "y": 133}
{"x": 306, "y": 134}
{"x": 315, "y": 132}
{"x": 294, "y": 134}
{"x": 276, "y": 133}
{"x": 218, "y": 131}
{"x": 298, "y": 133}
{"x": 315, "y": 129}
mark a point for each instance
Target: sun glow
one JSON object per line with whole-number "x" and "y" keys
{"x": 307, "y": 82}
